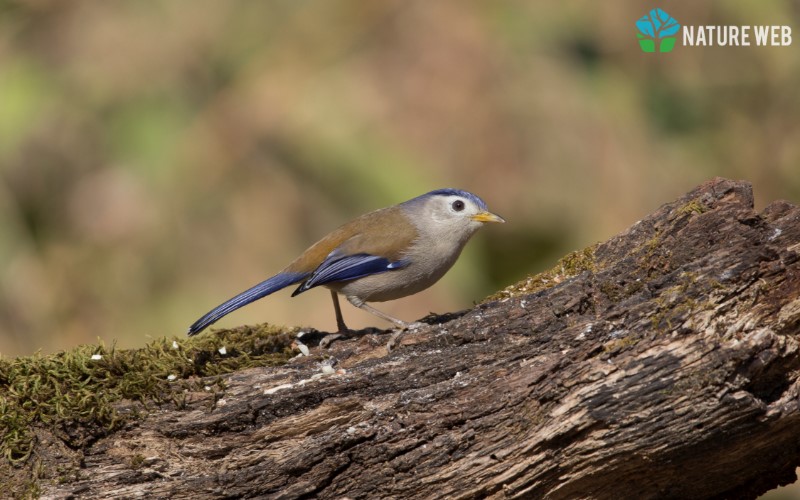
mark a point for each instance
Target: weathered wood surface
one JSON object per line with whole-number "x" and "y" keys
{"x": 670, "y": 369}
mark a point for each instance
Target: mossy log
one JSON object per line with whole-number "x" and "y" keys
{"x": 662, "y": 363}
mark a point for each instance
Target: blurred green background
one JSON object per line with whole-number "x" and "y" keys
{"x": 157, "y": 157}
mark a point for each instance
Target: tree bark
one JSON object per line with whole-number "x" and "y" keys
{"x": 666, "y": 367}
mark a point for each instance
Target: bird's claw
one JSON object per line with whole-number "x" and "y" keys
{"x": 327, "y": 339}
{"x": 393, "y": 340}
{"x": 396, "y": 335}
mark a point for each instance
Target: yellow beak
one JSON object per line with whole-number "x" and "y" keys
{"x": 487, "y": 217}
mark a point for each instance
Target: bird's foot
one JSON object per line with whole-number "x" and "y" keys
{"x": 327, "y": 339}
{"x": 400, "y": 331}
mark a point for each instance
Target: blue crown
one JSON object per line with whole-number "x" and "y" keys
{"x": 457, "y": 192}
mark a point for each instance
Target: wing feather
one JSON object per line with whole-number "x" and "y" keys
{"x": 348, "y": 267}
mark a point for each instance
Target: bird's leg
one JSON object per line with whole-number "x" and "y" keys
{"x": 327, "y": 339}
{"x": 402, "y": 325}
{"x": 363, "y": 305}
{"x": 339, "y": 319}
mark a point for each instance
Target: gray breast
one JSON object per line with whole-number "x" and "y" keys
{"x": 429, "y": 260}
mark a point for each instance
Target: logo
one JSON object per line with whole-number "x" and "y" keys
{"x": 656, "y": 29}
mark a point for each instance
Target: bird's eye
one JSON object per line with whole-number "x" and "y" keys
{"x": 458, "y": 205}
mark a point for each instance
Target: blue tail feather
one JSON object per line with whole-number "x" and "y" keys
{"x": 262, "y": 289}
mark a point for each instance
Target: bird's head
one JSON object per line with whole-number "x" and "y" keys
{"x": 451, "y": 211}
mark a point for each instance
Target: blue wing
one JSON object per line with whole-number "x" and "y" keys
{"x": 349, "y": 267}
{"x": 263, "y": 289}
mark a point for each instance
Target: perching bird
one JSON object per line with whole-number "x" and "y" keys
{"x": 383, "y": 255}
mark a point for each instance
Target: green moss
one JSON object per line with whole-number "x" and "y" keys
{"x": 693, "y": 207}
{"x": 569, "y": 266}
{"x": 617, "y": 292}
{"x": 136, "y": 461}
{"x": 652, "y": 261}
{"x": 611, "y": 290}
{"x": 18, "y": 483}
{"x": 74, "y": 392}
{"x": 617, "y": 345}
{"x": 674, "y": 304}
{"x": 30, "y": 489}
{"x": 650, "y": 246}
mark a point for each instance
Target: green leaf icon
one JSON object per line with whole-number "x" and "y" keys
{"x": 666, "y": 44}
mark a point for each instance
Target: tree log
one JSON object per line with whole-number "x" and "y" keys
{"x": 664, "y": 365}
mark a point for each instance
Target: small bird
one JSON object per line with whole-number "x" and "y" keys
{"x": 383, "y": 255}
